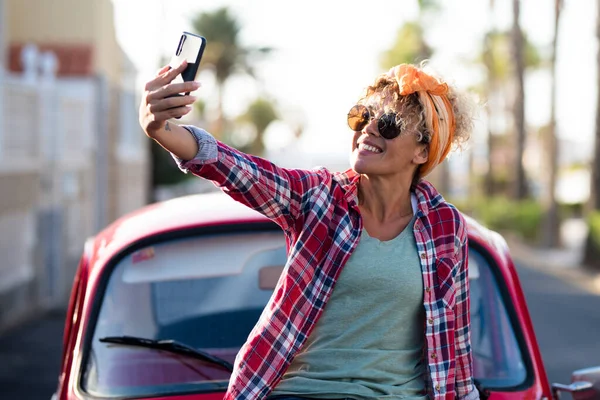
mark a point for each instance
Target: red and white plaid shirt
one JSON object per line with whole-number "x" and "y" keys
{"x": 318, "y": 211}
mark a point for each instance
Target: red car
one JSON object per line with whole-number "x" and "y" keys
{"x": 164, "y": 298}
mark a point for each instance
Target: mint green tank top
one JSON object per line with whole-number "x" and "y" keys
{"x": 369, "y": 341}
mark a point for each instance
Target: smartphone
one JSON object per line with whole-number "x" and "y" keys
{"x": 190, "y": 48}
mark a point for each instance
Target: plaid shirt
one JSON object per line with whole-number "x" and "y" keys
{"x": 318, "y": 211}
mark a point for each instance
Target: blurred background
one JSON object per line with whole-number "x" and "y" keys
{"x": 277, "y": 80}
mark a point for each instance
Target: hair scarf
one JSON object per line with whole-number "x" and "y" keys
{"x": 439, "y": 116}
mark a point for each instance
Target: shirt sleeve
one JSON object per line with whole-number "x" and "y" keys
{"x": 464, "y": 384}
{"x": 278, "y": 193}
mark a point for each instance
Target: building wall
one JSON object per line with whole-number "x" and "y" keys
{"x": 2, "y": 64}
{"x": 2, "y": 37}
{"x": 75, "y": 165}
{"x": 68, "y": 22}
{"x": 46, "y": 181}
{"x": 47, "y": 23}
{"x": 109, "y": 57}
{"x": 20, "y": 190}
{"x": 91, "y": 22}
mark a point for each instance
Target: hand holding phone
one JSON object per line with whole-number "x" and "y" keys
{"x": 190, "y": 48}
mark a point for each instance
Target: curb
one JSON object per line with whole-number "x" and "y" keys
{"x": 563, "y": 264}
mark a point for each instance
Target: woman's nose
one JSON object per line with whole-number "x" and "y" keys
{"x": 371, "y": 127}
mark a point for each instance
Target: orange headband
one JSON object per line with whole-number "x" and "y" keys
{"x": 439, "y": 116}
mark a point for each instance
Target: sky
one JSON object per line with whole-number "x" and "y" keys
{"x": 327, "y": 52}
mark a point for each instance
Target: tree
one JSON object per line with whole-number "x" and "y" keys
{"x": 260, "y": 113}
{"x": 224, "y": 53}
{"x": 489, "y": 61}
{"x": 595, "y": 201}
{"x": 551, "y": 237}
{"x": 496, "y": 59}
{"x": 409, "y": 47}
{"x": 521, "y": 190}
{"x": 592, "y": 247}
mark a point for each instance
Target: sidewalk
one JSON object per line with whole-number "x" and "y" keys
{"x": 564, "y": 263}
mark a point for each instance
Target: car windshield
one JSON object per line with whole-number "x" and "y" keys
{"x": 207, "y": 292}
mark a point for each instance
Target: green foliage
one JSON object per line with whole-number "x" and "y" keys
{"x": 501, "y": 214}
{"x": 164, "y": 168}
{"x": 260, "y": 113}
{"x": 221, "y": 31}
{"x": 224, "y": 51}
{"x": 225, "y": 54}
{"x": 200, "y": 108}
{"x": 428, "y": 5}
{"x": 409, "y": 47}
{"x": 499, "y": 44}
{"x": 591, "y": 255}
{"x": 594, "y": 228}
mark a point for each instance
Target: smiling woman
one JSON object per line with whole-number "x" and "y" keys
{"x": 409, "y": 101}
{"x": 374, "y": 300}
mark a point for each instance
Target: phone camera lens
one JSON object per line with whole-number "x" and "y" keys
{"x": 180, "y": 46}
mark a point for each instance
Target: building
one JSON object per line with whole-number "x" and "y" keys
{"x": 72, "y": 155}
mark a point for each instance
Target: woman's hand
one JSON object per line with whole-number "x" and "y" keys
{"x": 157, "y": 107}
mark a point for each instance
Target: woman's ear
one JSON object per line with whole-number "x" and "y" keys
{"x": 421, "y": 154}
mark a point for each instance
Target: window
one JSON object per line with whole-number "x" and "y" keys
{"x": 497, "y": 359}
{"x": 203, "y": 291}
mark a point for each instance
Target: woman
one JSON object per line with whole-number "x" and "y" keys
{"x": 397, "y": 323}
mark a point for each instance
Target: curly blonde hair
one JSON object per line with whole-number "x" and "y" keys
{"x": 384, "y": 94}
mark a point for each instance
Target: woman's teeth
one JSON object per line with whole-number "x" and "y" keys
{"x": 369, "y": 148}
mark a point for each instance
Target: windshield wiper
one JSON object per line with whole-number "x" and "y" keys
{"x": 171, "y": 346}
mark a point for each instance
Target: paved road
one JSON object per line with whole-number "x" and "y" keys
{"x": 566, "y": 321}
{"x": 30, "y": 359}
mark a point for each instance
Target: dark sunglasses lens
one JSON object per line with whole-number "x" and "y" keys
{"x": 358, "y": 117}
{"x": 387, "y": 126}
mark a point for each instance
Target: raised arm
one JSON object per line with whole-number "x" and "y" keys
{"x": 160, "y": 103}
{"x": 278, "y": 193}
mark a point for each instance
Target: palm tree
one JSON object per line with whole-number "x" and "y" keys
{"x": 521, "y": 190}
{"x": 497, "y": 61}
{"x": 409, "y": 47}
{"x": 596, "y": 163}
{"x": 489, "y": 61}
{"x": 551, "y": 232}
{"x": 592, "y": 247}
{"x": 224, "y": 53}
{"x": 260, "y": 113}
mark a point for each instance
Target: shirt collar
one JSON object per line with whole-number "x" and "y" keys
{"x": 426, "y": 197}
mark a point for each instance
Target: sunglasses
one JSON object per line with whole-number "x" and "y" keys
{"x": 359, "y": 116}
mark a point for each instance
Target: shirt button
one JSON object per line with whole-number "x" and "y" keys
{"x": 423, "y": 256}
{"x": 430, "y": 320}
{"x": 437, "y": 387}
{"x": 434, "y": 356}
{"x": 428, "y": 289}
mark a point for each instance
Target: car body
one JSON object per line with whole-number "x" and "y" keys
{"x": 199, "y": 269}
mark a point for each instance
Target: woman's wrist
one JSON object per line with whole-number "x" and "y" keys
{"x": 176, "y": 139}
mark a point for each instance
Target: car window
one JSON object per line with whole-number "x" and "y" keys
{"x": 202, "y": 291}
{"x": 209, "y": 291}
{"x": 497, "y": 359}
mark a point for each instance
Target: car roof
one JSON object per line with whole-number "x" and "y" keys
{"x": 210, "y": 209}
{"x": 206, "y": 209}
